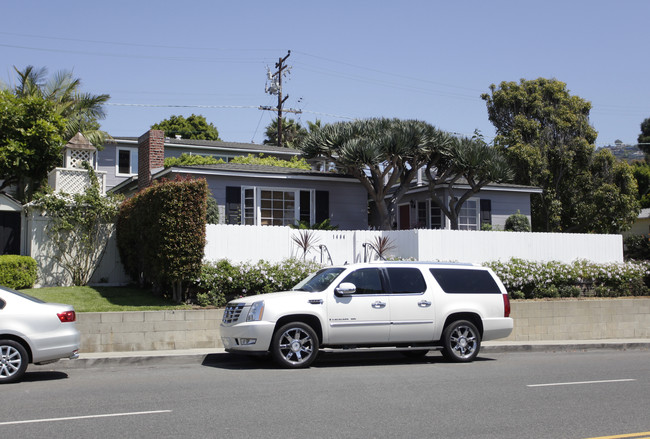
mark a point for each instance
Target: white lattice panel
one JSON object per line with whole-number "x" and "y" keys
{"x": 76, "y": 157}
{"x": 74, "y": 181}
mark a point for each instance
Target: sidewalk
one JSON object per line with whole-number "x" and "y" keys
{"x": 217, "y": 355}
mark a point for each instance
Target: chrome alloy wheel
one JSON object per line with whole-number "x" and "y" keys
{"x": 463, "y": 341}
{"x": 11, "y": 361}
{"x": 296, "y": 345}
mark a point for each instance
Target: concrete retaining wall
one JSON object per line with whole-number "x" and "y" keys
{"x": 534, "y": 321}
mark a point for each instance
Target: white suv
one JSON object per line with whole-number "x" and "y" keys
{"x": 414, "y": 306}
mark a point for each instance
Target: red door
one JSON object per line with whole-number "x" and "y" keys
{"x": 404, "y": 217}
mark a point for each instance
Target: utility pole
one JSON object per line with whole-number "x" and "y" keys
{"x": 276, "y": 88}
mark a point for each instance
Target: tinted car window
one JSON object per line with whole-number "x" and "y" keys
{"x": 367, "y": 281}
{"x": 406, "y": 281}
{"x": 2, "y": 303}
{"x": 459, "y": 281}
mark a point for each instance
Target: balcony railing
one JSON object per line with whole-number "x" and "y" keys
{"x": 74, "y": 181}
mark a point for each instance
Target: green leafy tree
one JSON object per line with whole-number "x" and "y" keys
{"x": 194, "y": 127}
{"x": 383, "y": 154}
{"x": 644, "y": 137}
{"x": 545, "y": 133}
{"x": 79, "y": 228}
{"x": 82, "y": 111}
{"x": 641, "y": 172}
{"x": 606, "y": 196}
{"x": 292, "y": 133}
{"x": 30, "y": 142}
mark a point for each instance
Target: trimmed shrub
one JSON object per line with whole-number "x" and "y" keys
{"x": 221, "y": 281}
{"x": 161, "y": 233}
{"x": 517, "y": 222}
{"x": 17, "y": 272}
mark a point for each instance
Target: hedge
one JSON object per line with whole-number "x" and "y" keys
{"x": 161, "y": 233}
{"x": 17, "y": 272}
{"x": 222, "y": 281}
{"x": 530, "y": 280}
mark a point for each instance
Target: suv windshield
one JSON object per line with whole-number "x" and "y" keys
{"x": 318, "y": 281}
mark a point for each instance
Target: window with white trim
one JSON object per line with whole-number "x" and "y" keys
{"x": 469, "y": 215}
{"x": 126, "y": 161}
{"x": 277, "y": 206}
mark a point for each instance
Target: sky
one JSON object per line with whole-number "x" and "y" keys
{"x": 426, "y": 60}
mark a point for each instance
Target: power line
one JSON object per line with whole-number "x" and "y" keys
{"x": 115, "y": 104}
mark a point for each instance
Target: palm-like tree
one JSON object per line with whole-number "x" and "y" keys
{"x": 81, "y": 110}
{"x": 292, "y": 133}
{"x": 383, "y": 154}
{"x": 469, "y": 159}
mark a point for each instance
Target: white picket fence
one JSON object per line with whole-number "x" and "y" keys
{"x": 273, "y": 244}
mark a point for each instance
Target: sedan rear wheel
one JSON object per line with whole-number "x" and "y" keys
{"x": 13, "y": 361}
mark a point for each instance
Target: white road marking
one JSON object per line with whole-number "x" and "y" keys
{"x": 580, "y": 382}
{"x": 110, "y": 415}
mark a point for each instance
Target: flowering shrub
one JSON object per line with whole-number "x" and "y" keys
{"x": 222, "y": 281}
{"x": 530, "y": 279}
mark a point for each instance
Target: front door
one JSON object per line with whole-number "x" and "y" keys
{"x": 404, "y": 217}
{"x": 362, "y": 317}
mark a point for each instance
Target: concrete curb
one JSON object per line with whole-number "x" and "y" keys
{"x": 220, "y": 356}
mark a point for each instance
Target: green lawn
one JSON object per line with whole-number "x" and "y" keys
{"x": 101, "y": 299}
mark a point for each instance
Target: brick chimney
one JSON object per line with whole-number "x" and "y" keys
{"x": 151, "y": 156}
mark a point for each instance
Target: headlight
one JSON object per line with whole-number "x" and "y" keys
{"x": 256, "y": 311}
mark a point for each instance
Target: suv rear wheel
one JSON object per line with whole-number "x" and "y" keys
{"x": 295, "y": 345}
{"x": 461, "y": 341}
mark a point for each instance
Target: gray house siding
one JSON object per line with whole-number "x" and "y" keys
{"x": 347, "y": 200}
{"x": 493, "y": 206}
{"x": 505, "y": 204}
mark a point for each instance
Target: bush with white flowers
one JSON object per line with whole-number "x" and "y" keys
{"x": 531, "y": 279}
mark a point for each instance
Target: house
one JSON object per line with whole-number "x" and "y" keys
{"x": 490, "y": 207}
{"x": 641, "y": 225}
{"x": 254, "y": 194}
{"x": 267, "y": 195}
{"x": 119, "y": 158}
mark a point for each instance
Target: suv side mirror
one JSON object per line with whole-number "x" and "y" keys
{"x": 345, "y": 289}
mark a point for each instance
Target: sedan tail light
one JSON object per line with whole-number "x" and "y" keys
{"x": 67, "y": 316}
{"x": 506, "y": 306}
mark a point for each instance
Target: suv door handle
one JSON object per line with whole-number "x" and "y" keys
{"x": 424, "y": 303}
{"x": 378, "y": 305}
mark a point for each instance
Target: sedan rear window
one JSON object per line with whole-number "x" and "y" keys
{"x": 462, "y": 281}
{"x": 23, "y": 295}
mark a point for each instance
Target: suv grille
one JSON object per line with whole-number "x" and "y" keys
{"x": 232, "y": 312}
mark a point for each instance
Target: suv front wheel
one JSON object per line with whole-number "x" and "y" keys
{"x": 461, "y": 341}
{"x": 295, "y": 345}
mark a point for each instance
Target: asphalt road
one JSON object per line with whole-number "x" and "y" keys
{"x": 511, "y": 395}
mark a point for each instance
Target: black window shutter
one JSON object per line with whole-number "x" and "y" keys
{"x": 322, "y": 206}
{"x": 486, "y": 211}
{"x": 305, "y": 206}
{"x": 233, "y": 205}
